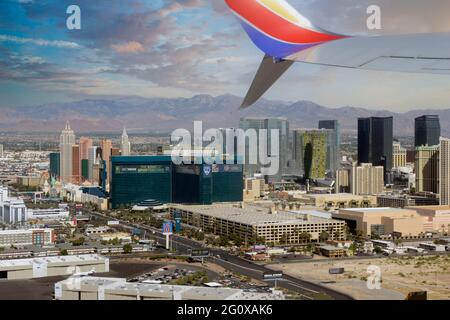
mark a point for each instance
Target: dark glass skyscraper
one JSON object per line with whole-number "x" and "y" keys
{"x": 427, "y": 131}
{"x": 55, "y": 158}
{"x": 334, "y": 143}
{"x": 375, "y": 141}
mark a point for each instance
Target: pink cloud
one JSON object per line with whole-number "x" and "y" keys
{"x": 128, "y": 47}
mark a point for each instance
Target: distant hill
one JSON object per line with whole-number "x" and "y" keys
{"x": 163, "y": 114}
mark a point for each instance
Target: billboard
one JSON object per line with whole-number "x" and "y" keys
{"x": 200, "y": 253}
{"x": 167, "y": 228}
{"x": 113, "y": 223}
{"x": 273, "y": 275}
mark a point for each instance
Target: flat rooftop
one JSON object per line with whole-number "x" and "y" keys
{"x": 119, "y": 286}
{"x": 251, "y": 215}
{"x": 20, "y": 231}
{"x": 69, "y": 260}
{"x": 377, "y": 210}
{"x": 434, "y": 208}
{"x": 334, "y": 196}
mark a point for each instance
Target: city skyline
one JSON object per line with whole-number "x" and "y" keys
{"x": 128, "y": 57}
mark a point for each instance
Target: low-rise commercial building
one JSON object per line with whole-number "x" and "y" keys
{"x": 436, "y": 218}
{"x": 29, "y": 237}
{"x": 93, "y": 288}
{"x": 383, "y": 221}
{"x": 406, "y": 200}
{"x": 339, "y": 200}
{"x": 432, "y": 247}
{"x": 331, "y": 251}
{"x": 121, "y": 236}
{"x": 60, "y": 213}
{"x": 257, "y": 224}
{"x": 96, "y": 230}
{"x": 52, "y": 266}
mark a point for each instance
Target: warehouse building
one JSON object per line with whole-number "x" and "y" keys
{"x": 253, "y": 223}
{"x": 23, "y": 269}
{"x": 94, "y": 288}
{"x": 137, "y": 179}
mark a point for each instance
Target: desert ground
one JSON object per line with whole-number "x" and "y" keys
{"x": 399, "y": 276}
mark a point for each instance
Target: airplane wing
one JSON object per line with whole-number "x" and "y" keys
{"x": 415, "y": 53}
{"x": 286, "y": 36}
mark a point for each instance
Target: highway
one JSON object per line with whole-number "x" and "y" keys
{"x": 305, "y": 289}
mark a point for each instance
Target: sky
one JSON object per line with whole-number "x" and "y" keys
{"x": 162, "y": 48}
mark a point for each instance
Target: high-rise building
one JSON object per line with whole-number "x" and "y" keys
{"x": 92, "y": 157}
{"x": 375, "y": 142}
{"x": 269, "y": 124}
{"x": 427, "y": 169}
{"x": 106, "y": 146}
{"x": 1, "y": 151}
{"x": 84, "y": 169}
{"x": 367, "y": 179}
{"x": 444, "y": 171}
{"x": 310, "y": 149}
{"x": 76, "y": 164}
{"x": 125, "y": 145}
{"x": 427, "y": 130}
{"x": 66, "y": 141}
{"x": 334, "y": 143}
{"x": 342, "y": 184}
{"x": 54, "y": 164}
{"x": 85, "y": 144}
{"x": 399, "y": 155}
{"x": 137, "y": 179}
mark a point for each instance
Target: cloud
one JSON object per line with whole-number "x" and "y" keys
{"x": 128, "y": 47}
{"x": 40, "y": 42}
{"x": 187, "y": 47}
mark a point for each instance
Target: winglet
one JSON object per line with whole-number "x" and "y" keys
{"x": 268, "y": 73}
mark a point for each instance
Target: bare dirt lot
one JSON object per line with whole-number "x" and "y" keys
{"x": 399, "y": 276}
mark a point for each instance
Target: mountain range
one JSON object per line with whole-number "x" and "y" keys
{"x": 166, "y": 114}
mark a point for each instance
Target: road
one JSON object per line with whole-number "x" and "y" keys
{"x": 233, "y": 263}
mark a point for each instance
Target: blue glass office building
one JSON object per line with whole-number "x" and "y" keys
{"x": 136, "y": 179}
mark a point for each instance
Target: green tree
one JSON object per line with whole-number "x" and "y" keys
{"x": 324, "y": 236}
{"x": 63, "y": 252}
{"x": 78, "y": 242}
{"x": 127, "y": 248}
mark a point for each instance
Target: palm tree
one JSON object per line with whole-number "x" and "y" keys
{"x": 306, "y": 237}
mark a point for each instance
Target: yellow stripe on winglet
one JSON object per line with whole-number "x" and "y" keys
{"x": 279, "y": 9}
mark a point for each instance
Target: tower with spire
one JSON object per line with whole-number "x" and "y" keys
{"x": 125, "y": 146}
{"x": 66, "y": 141}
